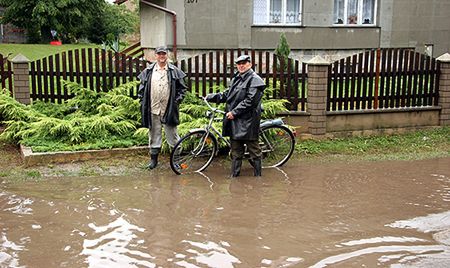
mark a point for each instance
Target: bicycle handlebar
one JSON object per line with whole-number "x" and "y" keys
{"x": 215, "y": 110}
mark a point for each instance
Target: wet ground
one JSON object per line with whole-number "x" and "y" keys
{"x": 368, "y": 214}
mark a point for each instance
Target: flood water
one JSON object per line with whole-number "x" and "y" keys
{"x": 370, "y": 214}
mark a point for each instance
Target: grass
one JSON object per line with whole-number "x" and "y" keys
{"x": 414, "y": 145}
{"x": 37, "y": 51}
{"x": 424, "y": 144}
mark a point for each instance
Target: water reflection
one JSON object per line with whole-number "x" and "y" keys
{"x": 210, "y": 253}
{"x": 348, "y": 215}
{"x": 381, "y": 249}
{"x": 18, "y": 205}
{"x": 112, "y": 247}
{"x": 9, "y": 252}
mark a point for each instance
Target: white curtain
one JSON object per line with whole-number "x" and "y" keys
{"x": 260, "y": 12}
{"x": 275, "y": 11}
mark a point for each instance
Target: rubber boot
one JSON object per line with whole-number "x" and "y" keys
{"x": 236, "y": 168}
{"x": 153, "y": 161}
{"x": 257, "y": 166}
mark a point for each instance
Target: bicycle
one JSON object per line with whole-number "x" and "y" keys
{"x": 195, "y": 151}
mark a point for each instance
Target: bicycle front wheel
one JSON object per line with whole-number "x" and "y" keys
{"x": 193, "y": 152}
{"x": 277, "y": 145}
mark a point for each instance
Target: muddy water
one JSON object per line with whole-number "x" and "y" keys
{"x": 378, "y": 214}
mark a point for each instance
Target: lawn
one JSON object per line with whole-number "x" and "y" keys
{"x": 36, "y": 51}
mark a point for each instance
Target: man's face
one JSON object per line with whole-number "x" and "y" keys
{"x": 243, "y": 66}
{"x": 161, "y": 57}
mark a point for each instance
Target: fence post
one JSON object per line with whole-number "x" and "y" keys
{"x": 317, "y": 95}
{"x": 444, "y": 90}
{"x": 21, "y": 79}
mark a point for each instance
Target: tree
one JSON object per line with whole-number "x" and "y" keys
{"x": 283, "y": 50}
{"x": 70, "y": 18}
{"x": 111, "y": 23}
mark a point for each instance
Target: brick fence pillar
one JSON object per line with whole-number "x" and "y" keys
{"x": 21, "y": 79}
{"x": 444, "y": 90}
{"x": 317, "y": 96}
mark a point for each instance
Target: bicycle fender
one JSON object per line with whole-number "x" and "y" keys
{"x": 277, "y": 122}
{"x": 196, "y": 129}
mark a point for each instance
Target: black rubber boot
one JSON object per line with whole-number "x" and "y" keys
{"x": 153, "y": 161}
{"x": 257, "y": 166}
{"x": 236, "y": 168}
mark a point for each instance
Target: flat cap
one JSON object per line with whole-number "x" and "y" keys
{"x": 243, "y": 58}
{"x": 161, "y": 49}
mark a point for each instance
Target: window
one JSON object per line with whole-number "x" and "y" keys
{"x": 276, "y": 12}
{"x": 354, "y": 12}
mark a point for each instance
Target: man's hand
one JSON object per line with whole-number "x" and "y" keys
{"x": 230, "y": 116}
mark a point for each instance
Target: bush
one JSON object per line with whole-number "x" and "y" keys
{"x": 96, "y": 120}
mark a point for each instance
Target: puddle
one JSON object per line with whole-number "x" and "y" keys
{"x": 383, "y": 214}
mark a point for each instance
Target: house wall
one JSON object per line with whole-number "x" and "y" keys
{"x": 217, "y": 24}
{"x": 317, "y": 37}
{"x": 157, "y": 26}
{"x": 414, "y": 23}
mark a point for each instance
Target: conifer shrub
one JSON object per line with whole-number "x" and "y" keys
{"x": 97, "y": 120}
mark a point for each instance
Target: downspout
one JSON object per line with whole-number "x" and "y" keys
{"x": 174, "y": 23}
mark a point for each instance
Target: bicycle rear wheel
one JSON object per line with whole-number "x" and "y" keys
{"x": 277, "y": 145}
{"x": 193, "y": 152}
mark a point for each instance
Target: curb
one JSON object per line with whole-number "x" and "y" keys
{"x": 37, "y": 159}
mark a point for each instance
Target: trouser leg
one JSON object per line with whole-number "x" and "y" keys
{"x": 255, "y": 157}
{"x": 237, "y": 154}
{"x": 155, "y": 133}
{"x": 155, "y": 140}
{"x": 171, "y": 135}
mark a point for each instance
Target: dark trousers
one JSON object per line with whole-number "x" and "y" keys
{"x": 238, "y": 149}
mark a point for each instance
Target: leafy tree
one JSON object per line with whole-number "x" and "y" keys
{"x": 111, "y": 23}
{"x": 72, "y": 19}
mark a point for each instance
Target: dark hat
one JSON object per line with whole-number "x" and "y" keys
{"x": 243, "y": 58}
{"x": 161, "y": 49}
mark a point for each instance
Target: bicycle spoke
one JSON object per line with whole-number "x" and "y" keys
{"x": 194, "y": 152}
{"x": 277, "y": 145}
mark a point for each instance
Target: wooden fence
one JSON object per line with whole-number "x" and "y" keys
{"x": 92, "y": 68}
{"x": 383, "y": 78}
{"x": 6, "y": 73}
{"x": 207, "y": 72}
{"x": 102, "y": 71}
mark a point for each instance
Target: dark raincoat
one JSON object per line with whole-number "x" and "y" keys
{"x": 243, "y": 99}
{"x": 177, "y": 91}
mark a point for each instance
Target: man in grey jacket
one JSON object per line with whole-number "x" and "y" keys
{"x": 161, "y": 90}
{"x": 243, "y": 114}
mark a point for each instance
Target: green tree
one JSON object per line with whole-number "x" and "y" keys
{"x": 283, "y": 50}
{"x": 70, "y": 18}
{"x": 114, "y": 21}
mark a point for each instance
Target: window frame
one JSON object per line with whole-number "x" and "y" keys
{"x": 359, "y": 15}
{"x": 283, "y": 15}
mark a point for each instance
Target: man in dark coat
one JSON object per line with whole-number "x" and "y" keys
{"x": 161, "y": 91}
{"x": 243, "y": 114}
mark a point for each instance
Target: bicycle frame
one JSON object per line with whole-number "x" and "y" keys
{"x": 198, "y": 142}
{"x": 211, "y": 114}
{"x": 209, "y": 128}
